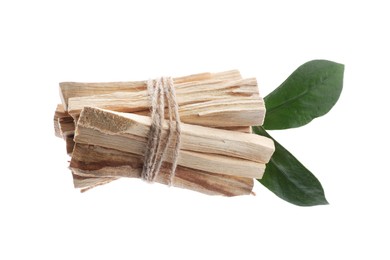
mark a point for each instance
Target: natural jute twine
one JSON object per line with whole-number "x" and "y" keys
{"x": 161, "y": 91}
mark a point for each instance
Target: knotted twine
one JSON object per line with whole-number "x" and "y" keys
{"x": 161, "y": 91}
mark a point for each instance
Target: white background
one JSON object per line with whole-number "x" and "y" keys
{"x": 45, "y": 42}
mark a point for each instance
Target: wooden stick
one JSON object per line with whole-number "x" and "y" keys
{"x": 221, "y": 100}
{"x": 86, "y": 183}
{"x": 206, "y": 149}
{"x": 63, "y": 123}
{"x": 56, "y": 124}
{"x": 213, "y": 103}
{"x": 77, "y": 89}
{"x": 95, "y": 165}
{"x": 64, "y": 128}
{"x": 69, "y": 144}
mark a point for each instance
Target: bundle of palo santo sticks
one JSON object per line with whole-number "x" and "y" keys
{"x": 106, "y": 126}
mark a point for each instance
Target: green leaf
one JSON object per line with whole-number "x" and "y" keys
{"x": 309, "y": 92}
{"x": 289, "y": 179}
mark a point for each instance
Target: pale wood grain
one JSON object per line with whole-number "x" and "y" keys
{"x": 211, "y": 99}
{"x": 202, "y": 148}
{"x": 112, "y": 146}
{"x": 94, "y": 165}
{"x": 209, "y": 103}
{"x": 81, "y": 89}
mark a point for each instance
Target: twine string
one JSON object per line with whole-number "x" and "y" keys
{"x": 162, "y": 91}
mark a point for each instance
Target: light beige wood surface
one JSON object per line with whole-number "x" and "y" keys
{"x": 64, "y": 125}
{"x": 219, "y": 100}
{"x": 202, "y": 148}
{"x": 81, "y": 89}
{"x": 94, "y": 165}
{"x": 218, "y": 154}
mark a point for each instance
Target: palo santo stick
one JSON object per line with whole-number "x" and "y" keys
{"x": 206, "y": 149}
{"x": 212, "y": 103}
{"x": 67, "y": 126}
{"x": 64, "y": 124}
{"x": 76, "y": 89}
{"x": 69, "y": 144}
{"x": 64, "y": 127}
{"x": 95, "y": 165}
{"x": 57, "y": 114}
{"x": 85, "y": 183}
